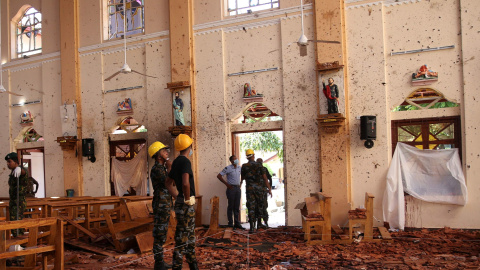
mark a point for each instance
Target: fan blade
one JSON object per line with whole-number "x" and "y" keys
{"x": 325, "y": 41}
{"x": 11, "y": 93}
{"x": 303, "y": 50}
{"x": 134, "y": 71}
{"x": 111, "y": 77}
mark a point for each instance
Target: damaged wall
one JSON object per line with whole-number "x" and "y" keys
{"x": 377, "y": 82}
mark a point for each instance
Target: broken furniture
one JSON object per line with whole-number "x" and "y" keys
{"x": 137, "y": 220}
{"x": 52, "y": 246}
{"x": 363, "y": 217}
{"x": 316, "y": 213}
{"x": 214, "y": 221}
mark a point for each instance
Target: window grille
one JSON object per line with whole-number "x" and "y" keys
{"x": 135, "y": 18}
{"x": 236, "y": 7}
{"x": 29, "y": 33}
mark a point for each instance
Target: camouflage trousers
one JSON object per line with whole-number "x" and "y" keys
{"x": 161, "y": 219}
{"x": 13, "y": 212}
{"x": 265, "y": 205}
{"x": 184, "y": 235}
{"x": 255, "y": 202}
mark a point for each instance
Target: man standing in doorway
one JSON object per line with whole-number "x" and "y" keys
{"x": 17, "y": 183}
{"x": 234, "y": 192}
{"x": 162, "y": 201}
{"x": 182, "y": 174}
{"x": 253, "y": 173}
{"x": 264, "y": 210}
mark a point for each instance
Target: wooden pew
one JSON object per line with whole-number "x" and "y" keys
{"x": 54, "y": 243}
{"x": 367, "y": 222}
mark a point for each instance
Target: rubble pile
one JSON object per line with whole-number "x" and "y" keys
{"x": 358, "y": 213}
{"x": 285, "y": 248}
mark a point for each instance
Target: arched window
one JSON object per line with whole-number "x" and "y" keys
{"x": 29, "y": 33}
{"x": 424, "y": 98}
{"x": 116, "y": 16}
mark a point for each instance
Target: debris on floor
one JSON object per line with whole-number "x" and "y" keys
{"x": 284, "y": 248}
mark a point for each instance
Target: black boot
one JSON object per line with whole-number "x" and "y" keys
{"x": 260, "y": 225}
{"x": 266, "y": 224}
{"x": 252, "y": 227}
{"x": 160, "y": 265}
{"x": 193, "y": 266}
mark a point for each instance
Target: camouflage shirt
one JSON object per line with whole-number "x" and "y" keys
{"x": 12, "y": 184}
{"x": 158, "y": 176}
{"x": 253, "y": 173}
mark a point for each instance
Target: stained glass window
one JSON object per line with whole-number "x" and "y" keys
{"x": 134, "y": 18}
{"x": 29, "y": 33}
{"x": 236, "y": 7}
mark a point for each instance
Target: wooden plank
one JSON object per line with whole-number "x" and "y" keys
{"x": 30, "y": 260}
{"x": 3, "y": 248}
{"x": 27, "y": 251}
{"x": 385, "y": 234}
{"x": 27, "y": 223}
{"x": 313, "y": 205}
{"x": 215, "y": 205}
{"x": 138, "y": 209}
{"x": 95, "y": 249}
{"x": 81, "y": 228}
{"x": 59, "y": 253}
{"x": 228, "y": 233}
{"x": 145, "y": 241}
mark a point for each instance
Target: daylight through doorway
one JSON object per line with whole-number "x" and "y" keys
{"x": 268, "y": 145}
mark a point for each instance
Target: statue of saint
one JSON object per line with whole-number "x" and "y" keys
{"x": 331, "y": 93}
{"x": 178, "y": 110}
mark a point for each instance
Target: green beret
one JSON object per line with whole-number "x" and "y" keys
{"x": 13, "y": 156}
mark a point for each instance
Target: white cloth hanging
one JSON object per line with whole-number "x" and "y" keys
{"x": 428, "y": 175}
{"x": 132, "y": 173}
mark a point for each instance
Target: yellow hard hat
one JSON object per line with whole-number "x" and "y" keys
{"x": 155, "y": 147}
{"x": 182, "y": 142}
{"x": 249, "y": 152}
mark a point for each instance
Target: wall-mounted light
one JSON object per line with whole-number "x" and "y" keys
{"x": 26, "y": 103}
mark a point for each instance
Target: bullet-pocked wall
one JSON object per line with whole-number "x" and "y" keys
{"x": 380, "y": 81}
{"x": 376, "y": 80}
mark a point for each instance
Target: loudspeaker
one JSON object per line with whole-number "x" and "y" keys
{"x": 88, "y": 147}
{"x": 368, "y": 127}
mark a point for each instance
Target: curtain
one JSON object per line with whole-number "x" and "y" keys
{"x": 132, "y": 173}
{"x": 429, "y": 175}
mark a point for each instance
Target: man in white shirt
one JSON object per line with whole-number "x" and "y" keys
{"x": 234, "y": 192}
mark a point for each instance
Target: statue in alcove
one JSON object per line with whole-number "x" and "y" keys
{"x": 178, "y": 110}
{"x": 331, "y": 93}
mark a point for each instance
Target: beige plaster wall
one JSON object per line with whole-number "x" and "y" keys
{"x": 379, "y": 82}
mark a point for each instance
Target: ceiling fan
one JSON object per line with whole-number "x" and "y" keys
{"x": 303, "y": 40}
{"x": 125, "y": 68}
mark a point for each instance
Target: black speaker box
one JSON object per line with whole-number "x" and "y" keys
{"x": 368, "y": 127}
{"x": 88, "y": 147}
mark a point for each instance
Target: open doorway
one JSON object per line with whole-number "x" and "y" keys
{"x": 268, "y": 145}
{"x": 33, "y": 160}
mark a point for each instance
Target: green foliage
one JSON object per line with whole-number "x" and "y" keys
{"x": 263, "y": 141}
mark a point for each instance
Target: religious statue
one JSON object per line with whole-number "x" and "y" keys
{"x": 26, "y": 117}
{"x": 125, "y": 105}
{"x": 178, "y": 110}
{"x": 331, "y": 93}
{"x": 249, "y": 92}
{"x": 425, "y": 73}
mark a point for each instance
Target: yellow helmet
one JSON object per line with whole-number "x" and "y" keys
{"x": 155, "y": 147}
{"x": 249, "y": 152}
{"x": 182, "y": 142}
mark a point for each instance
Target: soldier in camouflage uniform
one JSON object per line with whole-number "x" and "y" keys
{"x": 162, "y": 201}
{"x": 254, "y": 174}
{"x": 184, "y": 192}
{"x": 264, "y": 210}
{"x": 17, "y": 183}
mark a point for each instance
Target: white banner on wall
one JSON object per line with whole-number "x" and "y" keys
{"x": 428, "y": 175}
